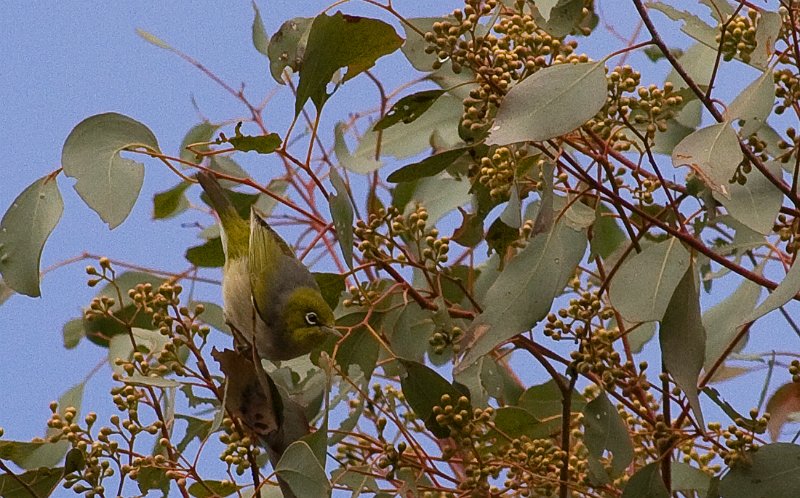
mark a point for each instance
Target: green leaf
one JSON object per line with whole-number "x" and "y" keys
{"x": 214, "y": 489}
{"x": 120, "y": 346}
{"x": 342, "y": 214}
{"x": 170, "y": 202}
{"x": 195, "y": 428}
{"x": 440, "y": 195}
{"x": 260, "y": 37}
{"x": 691, "y": 24}
{"x": 340, "y": 41}
{"x": 646, "y": 483}
{"x": 754, "y": 104}
{"x": 726, "y": 407}
{"x": 125, "y": 282}
{"x": 412, "y": 325}
{"x": 713, "y": 153}
{"x": 773, "y": 470}
{"x": 430, "y": 166}
{"x": 301, "y": 470}
{"x": 201, "y": 132}
{"x": 332, "y": 286}
{"x": 208, "y": 255}
{"x": 551, "y": 102}
{"x": 73, "y": 332}
{"x": 226, "y": 165}
{"x": 263, "y": 144}
{"x": 500, "y": 236}
{"x": 150, "y": 477}
{"x": 74, "y": 461}
{"x": 543, "y": 401}
{"x": 42, "y": 481}
{"x": 605, "y": 430}
{"x": 357, "y": 479}
{"x": 287, "y": 46}
{"x": 559, "y": 18}
{"x": 408, "y": 108}
{"x": 607, "y": 236}
{"x": 470, "y": 232}
{"x": 358, "y": 163}
{"x": 360, "y": 348}
{"x": 525, "y": 290}
{"x": 687, "y": 478}
{"x": 785, "y": 292}
{"x": 149, "y": 380}
{"x": 644, "y": 299}
{"x": 756, "y": 203}
{"x": 767, "y": 29}
{"x": 723, "y": 321}
{"x": 24, "y": 230}
{"x": 423, "y": 388}
{"x": 107, "y": 182}
{"x": 683, "y": 339}
{"x": 414, "y": 46}
{"x": 515, "y": 422}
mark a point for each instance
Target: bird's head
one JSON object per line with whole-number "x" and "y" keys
{"x": 309, "y": 319}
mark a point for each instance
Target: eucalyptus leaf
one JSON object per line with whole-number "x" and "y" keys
{"x": 301, "y": 470}
{"x": 408, "y": 108}
{"x": 259, "y": 34}
{"x": 713, "y": 153}
{"x": 767, "y": 30}
{"x": 423, "y": 388}
{"x": 756, "y": 203}
{"x": 430, "y": 166}
{"x": 683, "y": 339}
{"x": 551, "y": 102}
{"x": 42, "y": 481}
{"x": 199, "y": 133}
{"x": 722, "y": 322}
{"x": 605, "y": 430}
{"x": 207, "y": 255}
{"x": 785, "y": 292}
{"x": 340, "y": 41}
{"x": 24, "y": 230}
{"x": 525, "y": 290}
{"x": 287, "y": 47}
{"x": 107, "y": 182}
{"x": 773, "y": 470}
{"x": 754, "y": 104}
{"x": 170, "y": 202}
{"x": 342, "y": 213}
{"x": 644, "y": 284}
{"x": 646, "y": 483}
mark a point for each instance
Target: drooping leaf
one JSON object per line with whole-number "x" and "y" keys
{"x": 260, "y": 37}
{"x": 773, "y": 470}
{"x": 683, "y": 339}
{"x": 644, "y": 284}
{"x": 408, "y": 108}
{"x": 524, "y": 291}
{"x": 767, "y": 29}
{"x": 559, "y": 18}
{"x": 756, "y": 203}
{"x": 430, "y": 166}
{"x": 201, "y": 132}
{"x": 646, "y": 483}
{"x": 287, "y": 46}
{"x": 107, "y": 182}
{"x": 340, "y": 41}
{"x": 207, "y": 255}
{"x": 754, "y": 104}
{"x": 301, "y": 470}
{"x": 170, "y": 202}
{"x": 440, "y": 195}
{"x": 781, "y": 405}
{"x": 500, "y": 236}
{"x": 342, "y": 213}
{"x": 722, "y": 322}
{"x": 691, "y": 24}
{"x": 24, "y": 230}
{"x": 786, "y": 290}
{"x": 605, "y": 430}
{"x": 552, "y": 102}
{"x": 360, "y": 348}
{"x": 607, "y": 235}
{"x": 713, "y": 153}
{"x": 423, "y": 389}
{"x": 42, "y": 481}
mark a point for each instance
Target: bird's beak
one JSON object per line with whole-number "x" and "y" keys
{"x": 331, "y": 330}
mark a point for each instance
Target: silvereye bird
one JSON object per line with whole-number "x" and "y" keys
{"x": 270, "y": 298}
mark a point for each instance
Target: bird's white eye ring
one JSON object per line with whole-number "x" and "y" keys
{"x": 311, "y": 318}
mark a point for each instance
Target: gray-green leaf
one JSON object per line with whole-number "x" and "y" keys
{"x": 107, "y": 182}
{"x": 605, "y": 430}
{"x": 260, "y": 38}
{"x": 754, "y": 104}
{"x": 713, "y": 153}
{"x": 551, "y": 102}
{"x": 757, "y": 202}
{"x": 342, "y": 214}
{"x": 773, "y": 470}
{"x": 302, "y": 472}
{"x": 24, "y": 230}
{"x": 644, "y": 284}
{"x": 287, "y": 46}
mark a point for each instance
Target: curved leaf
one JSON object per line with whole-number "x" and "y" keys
{"x": 260, "y": 38}
{"x": 713, "y": 153}
{"x": 773, "y": 470}
{"x": 342, "y": 214}
{"x": 430, "y": 166}
{"x": 605, "y": 430}
{"x": 340, "y": 41}
{"x": 287, "y": 46}
{"x": 107, "y": 182}
{"x": 24, "y": 230}
{"x": 408, "y": 108}
{"x": 643, "y": 286}
{"x": 754, "y": 104}
{"x": 301, "y": 471}
{"x": 551, "y": 102}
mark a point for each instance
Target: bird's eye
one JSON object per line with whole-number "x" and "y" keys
{"x": 311, "y": 318}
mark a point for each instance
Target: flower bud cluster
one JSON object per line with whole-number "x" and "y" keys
{"x": 738, "y": 37}
{"x": 239, "y": 448}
